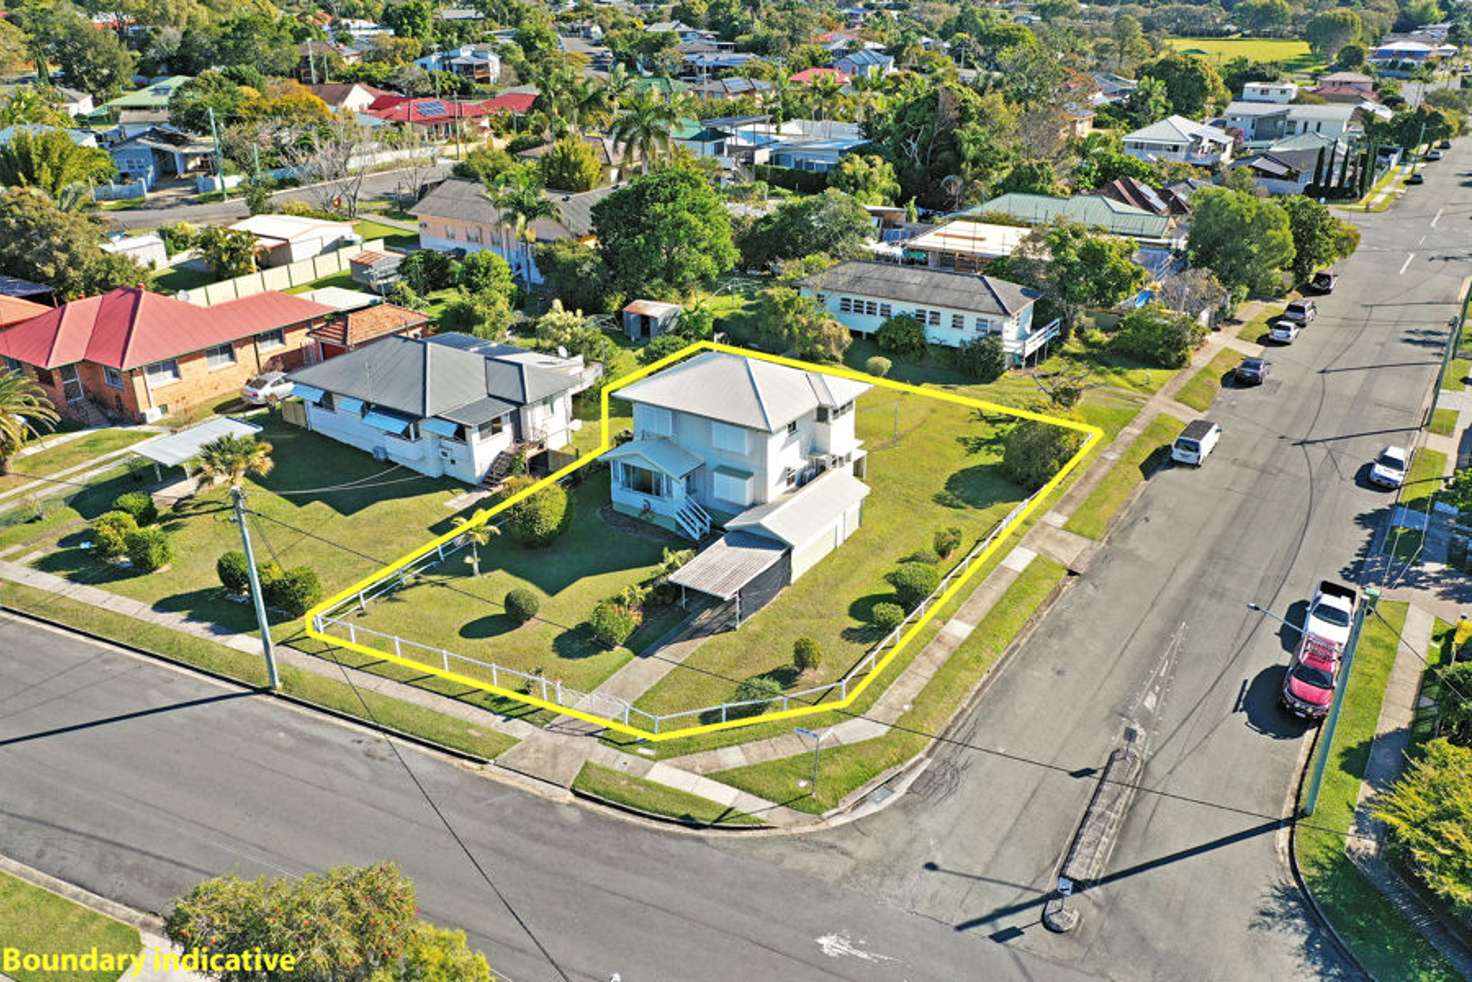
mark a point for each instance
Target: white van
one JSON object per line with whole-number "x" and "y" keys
{"x": 1196, "y": 441}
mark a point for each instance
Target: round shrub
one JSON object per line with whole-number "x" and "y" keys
{"x": 806, "y": 654}
{"x": 233, "y": 571}
{"x": 1033, "y": 451}
{"x": 886, "y": 616}
{"x": 537, "y": 520}
{"x": 878, "y": 365}
{"x": 522, "y": 604}
{"x": 913, "y": 582}
{"x": 139, "y": 505}
{"x": 946, "y": 541}
{"x": 612, "y": 623}
{"x": 983, "y": 358}
{"x": 295, "y": 591}
{"x": 902, "y": 335}
{"x": 149, "y": 549}
{"x": 758, "y": 691}
{"x": 110, "y": 533}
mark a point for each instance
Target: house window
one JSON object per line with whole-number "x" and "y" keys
{"x": 450, "y": 233}
{"x": 886, "y": 311}
{"x": 845, "y": 305}
{"x": 958, "y": 322}
{"x": 112, "y": 377}
{"x": 642, "y": 480}
{"x": 653, "y": 421}
{"x": 13, "y": 365}
{"x": 163, "y": 372}
{"x": 983, "y": 326}
{"x": 491, "y": 427}
{"x": 732, "y": 487}
{"x": 220, "y": 356}
{"x": 270, "y": 340}
{"x": 473, "y": 234}
{"x": 792, "y": 426}
{"x": 871, "y": 307}
{"x": 729, "y": 438}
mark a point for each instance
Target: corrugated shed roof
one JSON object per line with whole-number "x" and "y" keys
{"x": 925, "y": 286}
{"x": 1095, "y": 210}
{"x": 796, "y": 517}
{"x": 728, "y": 564}
{"x": 466, "y": 201}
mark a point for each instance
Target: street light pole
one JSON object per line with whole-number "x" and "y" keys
{"x": 817, "y": 739}
{"x": 255, "y": 590}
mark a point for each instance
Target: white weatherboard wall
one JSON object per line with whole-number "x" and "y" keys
{"x": 1012, "y": 329}
{"x": 825, "y": 539}
{"x": 430, "y": 454}
{"x": 281, "y": 277}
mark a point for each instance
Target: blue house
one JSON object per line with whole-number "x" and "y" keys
{"x": 161, "y": 152}
{"x": 864, "y": 62}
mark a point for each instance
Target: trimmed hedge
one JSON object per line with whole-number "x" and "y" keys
{"x": 149, "y": 549}
{"x": 110, "y": 532}
{"x": 138, "y": 504}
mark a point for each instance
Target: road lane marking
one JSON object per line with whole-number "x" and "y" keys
{"x": 1407, "y": 264}
{"x": 1422, "y": 240}
{"x": 1437, "y": 217}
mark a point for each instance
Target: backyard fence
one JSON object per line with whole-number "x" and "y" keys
{"x": 334, "y": 622}
{"x": 280, "y": 277}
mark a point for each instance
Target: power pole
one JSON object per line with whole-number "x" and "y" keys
{"x": 219, "y": 157}
{"x": 255, "y": 589}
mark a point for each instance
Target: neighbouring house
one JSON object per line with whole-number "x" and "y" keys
{"x": 513, "y": 102}
{"x": 449, "y": 405}
{"x": 284, "y": 239}
{"x": 136, "y": 355}
{"x": 964, "y": 246}
{"x": 456, "y": 215}
{"x": 1137, "y": 194}
{"x": 434, "y": 119}
{"x": 149, "y": 104}
{"x": 864, "y": 62}
{"x": 700, "y": 139}
{"x": 645, "y": 320}
{"x": 14, "y": 286}
{"x": 1265, "y": 122}
{"x": 1180, "y": 139}
{"x": 159, "y": 153}
{"x": 350, "y": 96}
{"x": 148, "y": 250}
{"x": 1111, "y": 88}
{"x": 73, "y": 102}
{"x": 810, "y": 75}
{"x": 730, "y": 87}
{"x": 1352, "y": 87}
{"x": 82, "y": 138}
{"x": 13, "y": 310}
{"x": 1279, "y": 92}
{"x": 1401, "y": 56}
{"x": 614, "y": 161}
{"x": 478, "y": 62}
{"x": 1280, "y": 171}
{"x": 377, "y": 270}
{"x": 1094, "y": 210}
{"x": 352, "y": 329}
{"x": 316, "y": 57}
{"x": 955, "y": 308}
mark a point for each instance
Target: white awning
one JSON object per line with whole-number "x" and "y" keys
{"x": 173, "y": 449}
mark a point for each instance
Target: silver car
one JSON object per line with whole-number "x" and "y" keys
{"x": 266, "y": 388}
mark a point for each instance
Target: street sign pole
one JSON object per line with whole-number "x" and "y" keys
{"x": 817, "y": 739}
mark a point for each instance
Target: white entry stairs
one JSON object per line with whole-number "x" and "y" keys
{"x": 693, "y": 520}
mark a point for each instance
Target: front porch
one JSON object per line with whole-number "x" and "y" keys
{"x": 655, "y": 480}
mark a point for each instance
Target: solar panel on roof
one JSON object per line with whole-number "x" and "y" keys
{"x": 433, "y": 109}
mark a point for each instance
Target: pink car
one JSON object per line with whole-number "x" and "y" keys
{"x": 1308, "y": 685}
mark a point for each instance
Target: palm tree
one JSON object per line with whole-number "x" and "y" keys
{"x": 518, "y": 197}
{"x": 479, "y": 532}
{"x": 644, "y": 126}
{"x": 826, "y": 93}
{"x": 587, "y": 102}
{"x": 23, "y": 405}
{"x": 619, "y": 85}
{"x": 231, "y": 458}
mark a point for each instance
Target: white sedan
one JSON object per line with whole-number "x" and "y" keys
{"x": 1285, "y": 331}
{"x": 263, "y": 390}
{"x": 1389, "y": 469}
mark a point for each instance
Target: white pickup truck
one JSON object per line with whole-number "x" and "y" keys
{"x": 1330, "y": 612}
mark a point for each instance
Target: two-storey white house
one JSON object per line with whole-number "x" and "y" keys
{"x": 954, "y": 308}
{"x": 450, "y": 405}
{"x": 765, "y": 451}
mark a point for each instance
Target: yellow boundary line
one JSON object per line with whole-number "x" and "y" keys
{"x": 1092, "y": 435}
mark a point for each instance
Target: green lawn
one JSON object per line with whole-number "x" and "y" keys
{"x": 341, "y": 280}
{"x": 959, "y": 484}
{"x": 32, "y": 520}
{"x": 1257, "y": 329}
{"x": 392, "y": 236}
{"x": 72, "y": 453}
{"x": 1389, "y": 947}
{"x": 1444, "y": 422}
{"x": 1428, "y": 468}
{"x": 619, "y": 788}
{"x": 172, "y": 279}
{"x": 205, "y": 654}
{"x": 1294, "y": 55}
{"x": 37, "y": 921}
{"x": 847, "y": 768}
{"x": 1200, "y": 392}
{"x": 1149, "y": 451}
{"x": 1455, "y": 379}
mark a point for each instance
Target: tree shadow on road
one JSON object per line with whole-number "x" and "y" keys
{"x": 1283, "y": 912}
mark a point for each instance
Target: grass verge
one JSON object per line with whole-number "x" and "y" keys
{"x": 38, "y": 922}
{"x": 1370, "y": 924}
{"x": 319, "y": 690}
{"x": 1444, "y": 422}
{"x": 619, "y": 788}
{"x": 1428, "y": 468}
{"x": 1144, "y": 456}
{"x": 847, "y": 768}
{"x": 72, "y": 453}
{"x": 1455, "y": 379}
{"x": 1200, "y": 392}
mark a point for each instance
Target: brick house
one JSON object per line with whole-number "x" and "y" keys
{"x": 136, "y": 355}
{"x": 352, "y": 329}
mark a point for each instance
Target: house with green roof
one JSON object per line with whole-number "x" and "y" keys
{"x": 149, "y": 104}
{"x": 1093, "y": 210}
{"x": 699, "y": 139}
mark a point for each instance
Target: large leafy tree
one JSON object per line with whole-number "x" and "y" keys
{"x": 1410, "y": 126}
{"x": 869, "y": 178}
{"x": 51, "y": 161}
{"x": 1074, "y": 268}
{"x": 190, "y": 105}
{"x": 800, "y": 325}
{"x": 1245, "y": 240}
{"x": 665, "y": 233}
{"x": 1318, "y": 237}
{"x": 571, "y": 164}
{"x": 32, "y": 104}
{"x": 248, "y": 36}
{"x": 1331, "y": 30}
{"x": 1429, "y": 814}
{"x": 1191, "y": 84}
{"x": 227, "y": 252}
{"x": 832, "y": 223}
{"x": 92, "y": 60}
{"x": 42, "y": 242}
{"x": 15, "y": 54}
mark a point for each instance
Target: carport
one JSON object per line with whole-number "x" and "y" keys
{"x": 177, "y": 449}
{"x": 742, "y": 569}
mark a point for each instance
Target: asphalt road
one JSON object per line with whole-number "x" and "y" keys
{"x": 1197, "y": 887}
{"x": 136, "y": 781}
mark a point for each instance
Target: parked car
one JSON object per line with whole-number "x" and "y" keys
{"x": 1444, "y": 145}
{"x": 1284, "y": 332}
{"x": 1196, "y": 442}
{"x": 1433, "y": 155}
{"x": 1308, "y": 685}
{"x": 1416, "y": 178}
{"x": 1329, "y": 612}
{"x": 1302, "y": 311}
{"x": 1389, "y": 468}
{"x": 1324, "y": 281}
{"x": 1252, "y": 371}
{"x": 267, "y": 388}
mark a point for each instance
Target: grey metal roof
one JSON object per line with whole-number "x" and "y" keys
{"x": 799, "y": 515}
{"x": 664, "y": 455}
{"x": 1094, "y": 210}
{"x": 443, "y": 377}
{"x": 466, "y": 200}
{"x": 747, "y": 392}
{"x": 925, "y": 286}
{"x": 728, "y": 564}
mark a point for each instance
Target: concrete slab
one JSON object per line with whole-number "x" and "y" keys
{"x": 1020, "y": 556}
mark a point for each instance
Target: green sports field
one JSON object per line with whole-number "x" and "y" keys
{"x": 1294, "y": 55}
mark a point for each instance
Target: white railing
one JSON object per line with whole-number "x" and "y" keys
{"x": 1037, "y": 339}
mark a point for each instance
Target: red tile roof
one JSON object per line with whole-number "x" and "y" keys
{"x": 512, "y": 102}
{"x": 13, "y": 310}
{"x": 369, "y": 324}
{"x": 809, "y": 75}
{"x": 130, "y": 327}
{"x": 397, "y": 109}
